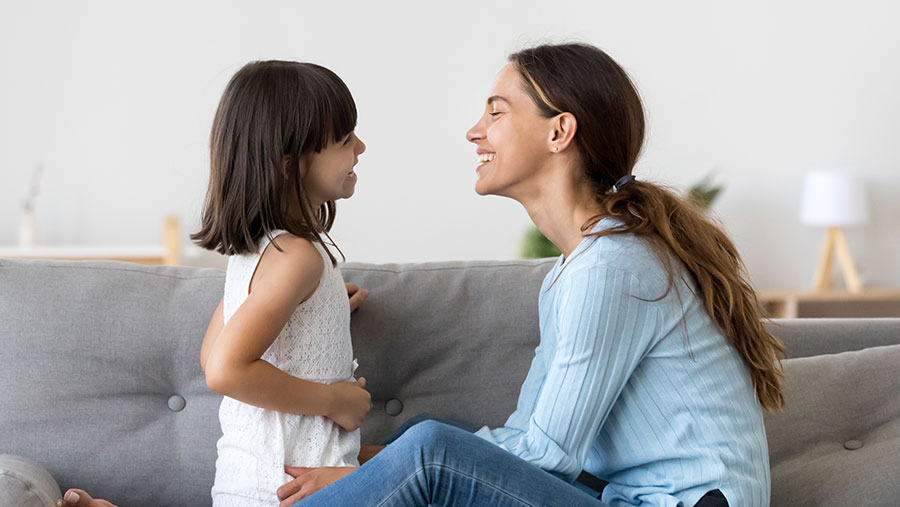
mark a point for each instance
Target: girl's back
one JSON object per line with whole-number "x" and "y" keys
{"x": 314, "y": 345}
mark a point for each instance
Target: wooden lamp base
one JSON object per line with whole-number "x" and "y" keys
{"x": 824, "y": 280}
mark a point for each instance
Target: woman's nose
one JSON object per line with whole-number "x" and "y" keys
{"x": 476, "y": 133}
{"x": 361, "y": 148}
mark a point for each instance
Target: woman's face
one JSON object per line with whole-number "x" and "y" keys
{"x": 511, "y": 138}
{"x": 328, "y": 175}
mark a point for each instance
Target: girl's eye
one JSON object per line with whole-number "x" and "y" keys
{"x": 347, "y": 140}
{"x": 496, "y": 113}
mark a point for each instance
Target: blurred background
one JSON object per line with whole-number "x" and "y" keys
{"x": 113, "y": 101}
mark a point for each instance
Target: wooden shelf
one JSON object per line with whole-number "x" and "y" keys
{"x": 842, "y": 304}
{"x": 169, "y": 253}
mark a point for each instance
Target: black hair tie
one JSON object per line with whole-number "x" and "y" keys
{"x": 624, "y": 180}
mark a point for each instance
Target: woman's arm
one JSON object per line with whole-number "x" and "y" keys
{"x": 234, "y": 367}
{"x": 602, "y": 334}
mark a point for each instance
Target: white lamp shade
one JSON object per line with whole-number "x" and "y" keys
{"x": 834, "y": 199}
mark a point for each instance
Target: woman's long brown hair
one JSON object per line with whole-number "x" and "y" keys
{"x": 586, "y": 82}
{"x": 271, "y": 113}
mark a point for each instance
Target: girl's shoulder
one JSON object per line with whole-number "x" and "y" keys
{"x": 288, "y": 256}
{"x": 286, "y": 248}
{"x": 290, "y": 265}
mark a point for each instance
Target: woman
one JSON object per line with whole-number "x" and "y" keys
{"x": 654, "y": 366}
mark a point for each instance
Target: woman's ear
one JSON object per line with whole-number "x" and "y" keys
{"x": 563, "y": 128}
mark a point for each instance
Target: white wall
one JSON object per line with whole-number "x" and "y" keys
{"x": 116, "y": 98}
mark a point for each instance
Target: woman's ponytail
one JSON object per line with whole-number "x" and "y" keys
{"x": 673, "y": 224}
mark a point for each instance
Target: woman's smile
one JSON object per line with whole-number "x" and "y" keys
{"x": 484, "y": 158}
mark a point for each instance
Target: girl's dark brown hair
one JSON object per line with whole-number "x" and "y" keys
{"x": 586, "y": 82}
{"x": 271, "y": 113}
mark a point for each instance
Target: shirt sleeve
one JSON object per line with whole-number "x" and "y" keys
{"x": 603, "y": 332}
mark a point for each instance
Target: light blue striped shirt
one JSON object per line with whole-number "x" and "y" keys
{"x": 625, "y": 389}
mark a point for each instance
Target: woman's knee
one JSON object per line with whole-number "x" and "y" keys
{"x": 429, "y": 435}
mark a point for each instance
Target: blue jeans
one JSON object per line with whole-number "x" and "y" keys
{"x": 433, "y": 463}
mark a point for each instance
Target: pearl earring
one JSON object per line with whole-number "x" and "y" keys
{"x": 555, "y": 149}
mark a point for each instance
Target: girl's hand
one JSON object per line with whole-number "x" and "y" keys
{"x": 356, "y": 295}
{"x": 350, "y": 404}
{"x": 307, "y": 481}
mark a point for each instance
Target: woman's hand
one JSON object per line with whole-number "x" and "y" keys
{"x": 307, "y": 481}
{"x": 350, "y": 403}
{"x": 80, "y": 498}
{"x": 356, "y": 296}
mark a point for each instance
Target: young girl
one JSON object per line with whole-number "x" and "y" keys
{"x": 278, "y": 347}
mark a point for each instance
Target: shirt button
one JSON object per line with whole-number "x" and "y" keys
{"x": 852, "y": 445}
{"x": 176, "y": 403}
{"x": 393, "y": 407}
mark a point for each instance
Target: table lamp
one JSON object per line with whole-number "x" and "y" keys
{"x": 834, "y": 199}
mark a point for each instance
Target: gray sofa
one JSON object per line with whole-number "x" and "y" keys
{"x": 101, "y": 383}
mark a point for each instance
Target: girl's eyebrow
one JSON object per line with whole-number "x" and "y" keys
{"x": 494, "y": 98}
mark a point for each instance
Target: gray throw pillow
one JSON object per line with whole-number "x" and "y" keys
{"x": 837, "y": 442}
{"x": 25, "y": 483}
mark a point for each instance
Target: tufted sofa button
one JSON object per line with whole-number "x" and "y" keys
{"x": 393, "y": 407}
{"x": 176, "y": 403}
{"x": 852, "y": 445}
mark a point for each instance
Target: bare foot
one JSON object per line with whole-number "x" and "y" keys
{"x": 80, "y": 498}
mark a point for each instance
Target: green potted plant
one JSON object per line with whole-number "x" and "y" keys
{"x": 704, "y": 192}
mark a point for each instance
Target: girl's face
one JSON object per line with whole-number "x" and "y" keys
{"x": 328, "y": 175}
{"x": 511, "y": 138}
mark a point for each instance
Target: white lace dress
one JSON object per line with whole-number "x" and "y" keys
{"x": 314, "y": 345}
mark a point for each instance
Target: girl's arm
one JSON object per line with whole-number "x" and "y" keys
{"x": 216, "y": 323}
{"x": 234, "y": 367}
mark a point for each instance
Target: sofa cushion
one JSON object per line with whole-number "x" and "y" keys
{"x": 838, "y": 440}
{"x": 453, "y": 339}
{"x": 91, "y": 354}
{"x": 25, "y": 483}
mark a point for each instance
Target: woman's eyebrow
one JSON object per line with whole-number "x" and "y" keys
{"x": 494, "y": 98}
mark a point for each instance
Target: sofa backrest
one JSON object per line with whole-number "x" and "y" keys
{"x": 99, "y": 363}
{"x": 92, "y": 357}
{"x": 101, "y": 383}
{"x": 452, "y": 339}
{"x": 813, "y": 337}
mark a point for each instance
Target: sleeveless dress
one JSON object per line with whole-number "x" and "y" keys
{"x": 314, "y": 345}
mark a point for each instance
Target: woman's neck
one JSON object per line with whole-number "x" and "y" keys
{"x": 559, "y": 206}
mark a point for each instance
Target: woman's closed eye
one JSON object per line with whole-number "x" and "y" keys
{"x": 496, "y": 113}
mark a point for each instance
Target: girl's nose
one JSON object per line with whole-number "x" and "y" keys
{"x": 361, "y": 146}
